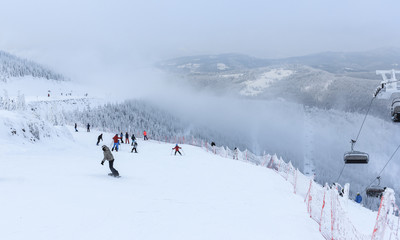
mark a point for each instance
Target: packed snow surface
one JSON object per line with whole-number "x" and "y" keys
{"x": 57, "y": 189}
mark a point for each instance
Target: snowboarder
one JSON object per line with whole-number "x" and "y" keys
{"x": 110, "y": 158}
{"x": 177, "y": 149}
{"x": 116, "y": 143}
{"x": 76, "y": 127}
{"x": 100, "y": 137}
{"x": 145, "y": 135}
{"x": 358, "y": 198}
{"x": 134, "y": 144}
{"x": 126, "y": 138}
{"x": 88, "y": 127}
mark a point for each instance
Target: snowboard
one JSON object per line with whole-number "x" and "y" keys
{"x": 112, "y": 175}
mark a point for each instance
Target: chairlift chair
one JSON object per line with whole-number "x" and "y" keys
{"x": 395, "y": 110}
{"x": 355, "y": 157}
{"x": 375, "y": 191}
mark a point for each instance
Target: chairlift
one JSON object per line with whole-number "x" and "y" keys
{"x": 395, "y": 110}
{"x": 355, "y": 157}
{"x": 375, "y": 191}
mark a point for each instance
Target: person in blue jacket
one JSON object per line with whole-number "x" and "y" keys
{"x": 358, "y": 198}
{"x": 122, "y": 137}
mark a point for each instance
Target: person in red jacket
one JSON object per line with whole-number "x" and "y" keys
{"x": 177, "y": 149}
{"x": 145, "y": 135}
{"x": 116, "y": 142}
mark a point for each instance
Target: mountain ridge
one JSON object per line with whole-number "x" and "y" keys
{"x": 13, "y": 66}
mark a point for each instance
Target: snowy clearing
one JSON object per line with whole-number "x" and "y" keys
{"x": 222, "y": 66}
{"x": 257, "y": 86}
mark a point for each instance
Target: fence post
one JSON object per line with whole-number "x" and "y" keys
{"x": 322, "y": 210}
{"x": 332, "y": 212}
{"x": 295, "y": 180}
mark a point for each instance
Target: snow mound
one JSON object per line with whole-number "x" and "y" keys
{"x": 24, "y": 127}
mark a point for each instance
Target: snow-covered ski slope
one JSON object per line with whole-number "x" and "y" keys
{"x": 53, "y": 187}
{"x": 57, "y": 189}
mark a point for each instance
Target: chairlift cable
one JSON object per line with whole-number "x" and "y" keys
{"x": 384, "y": 167}
{"x": 365, "y": 117}
{"x": 340, "y": 173}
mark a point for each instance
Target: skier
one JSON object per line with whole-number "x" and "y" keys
{"x": 76, "y": 127}
{"x": 122, "y": 137}
{"x": 177, "y": 149}
{"x": 100, "y": 137}
{"x": 116, "y": 143}
{"x": 110, "y": 158}
{"x": 134, "y": 144}
{"x": 88, "y": 127}
{"x": 126, "y": 138}
{"x": 145, "y": 135}
{"x": 358, "y": 198}
{"x": 212, "y": 144}
{"x": 236, "y": 153}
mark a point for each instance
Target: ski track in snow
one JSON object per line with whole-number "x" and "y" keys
{"x": 57, "y": 189}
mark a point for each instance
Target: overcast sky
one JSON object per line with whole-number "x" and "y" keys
{"x": 67, "y": 34}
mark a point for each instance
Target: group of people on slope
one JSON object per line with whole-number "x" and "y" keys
{"x": 108, "y": 156}
{"x": 116, "y": 139}
{"x": 87, "y": 127}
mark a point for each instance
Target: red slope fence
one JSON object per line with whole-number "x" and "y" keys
{"x": 325, "y": 204}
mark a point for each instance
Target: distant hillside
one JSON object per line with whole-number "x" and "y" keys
{"x": 13, "y": 66}
{"x": 343, "y": 81}
{"x": 349, "y": 63}
{"x": 333, "y": 62}
{"x": 212, "y": 63}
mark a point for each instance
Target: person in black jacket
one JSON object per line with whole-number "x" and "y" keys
{"x": 133, "y": 138}
{"x": 126, "y": 138}
{"x": 100, "y": 137}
